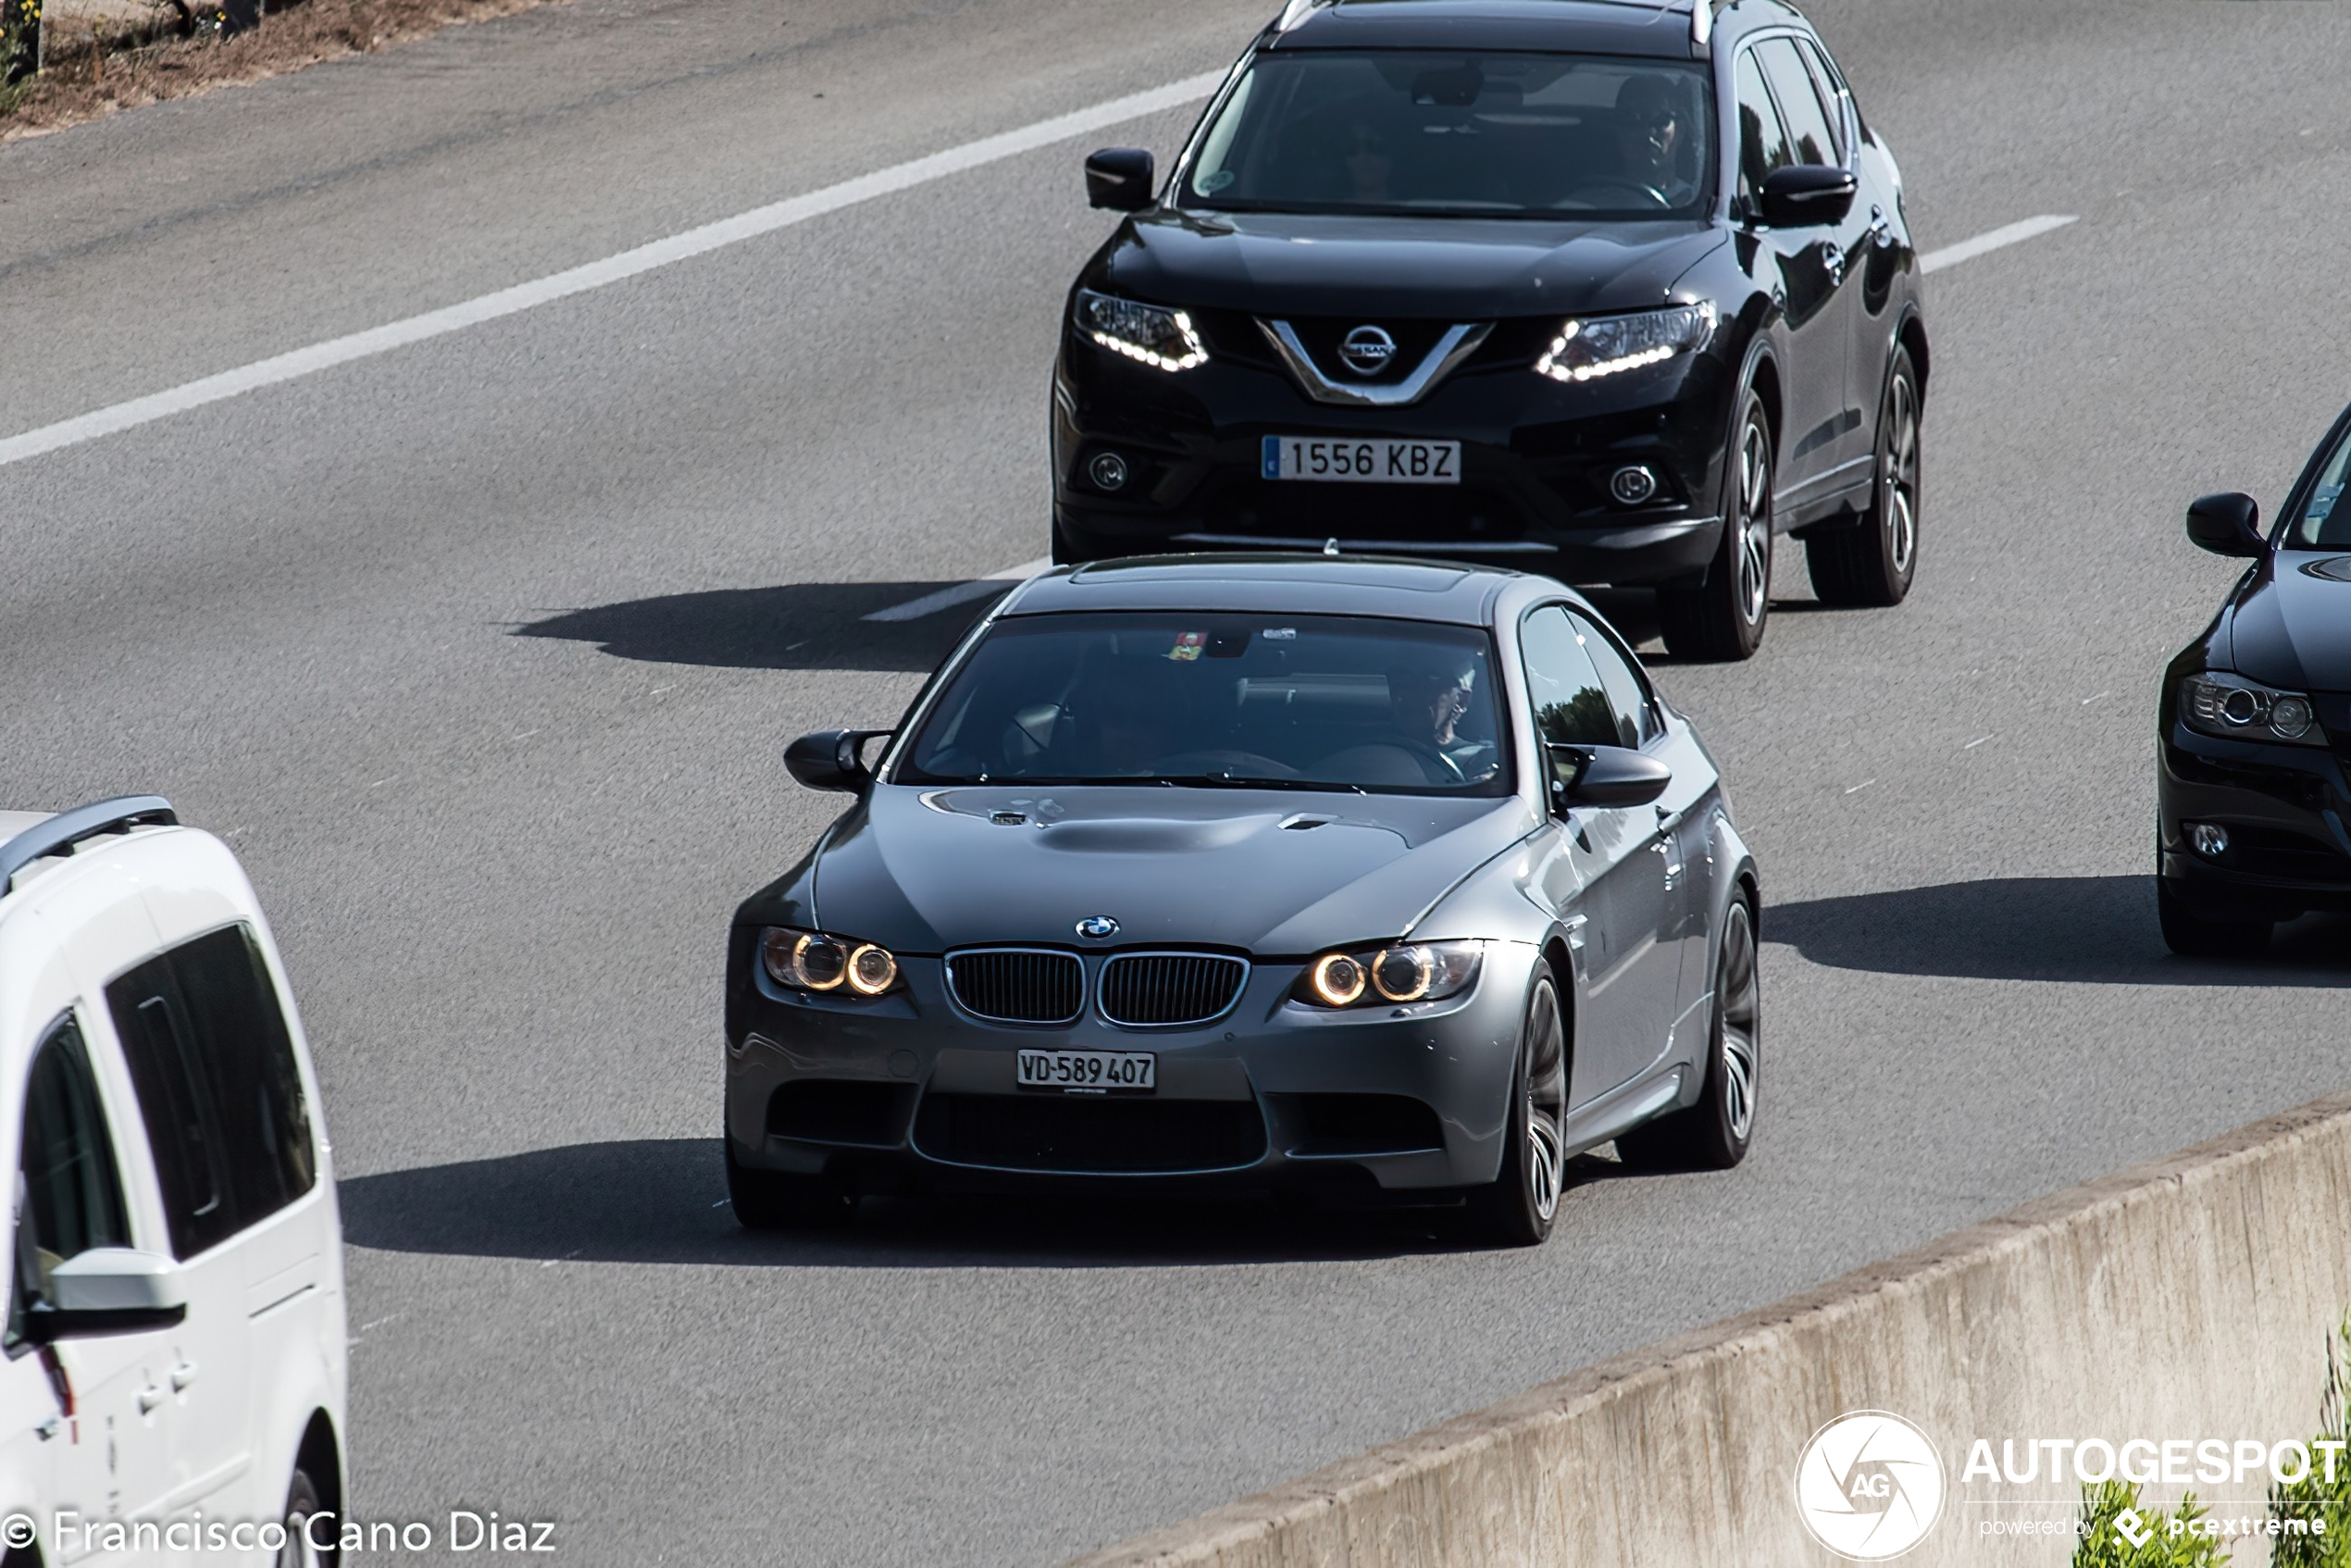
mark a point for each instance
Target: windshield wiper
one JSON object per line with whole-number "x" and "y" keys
{"x": 1242, "y": 781}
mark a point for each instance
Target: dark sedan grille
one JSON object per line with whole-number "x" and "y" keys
{"x": 1055, "y": 1133}
{"x": 1170, "y": 988}
{"x": 1018, "y": 985}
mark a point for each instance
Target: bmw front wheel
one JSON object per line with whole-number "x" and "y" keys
{"x": 1517, "y": 1208}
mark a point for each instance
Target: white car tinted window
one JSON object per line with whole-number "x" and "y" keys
{"x": 70, "y": 1190}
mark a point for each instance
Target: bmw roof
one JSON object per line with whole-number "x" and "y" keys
{"x": 1347, "y": 585}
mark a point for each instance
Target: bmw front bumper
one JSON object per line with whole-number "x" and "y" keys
{"x": 909, "y": 1092}
{"x": 2284, "y": 809}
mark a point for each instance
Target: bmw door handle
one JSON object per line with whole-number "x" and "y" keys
{"x": 181, "y": 1375}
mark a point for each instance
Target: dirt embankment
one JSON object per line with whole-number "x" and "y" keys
{"x": 104, "y": 56}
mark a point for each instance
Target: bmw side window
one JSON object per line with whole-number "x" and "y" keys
{"x": 1628, "y": 696}
{"x": 1808, "y": 133}
{"x": 1570, "y": 705}
{"x": 68, "y": 1187}
{"x": 2326, "y": 522}
{"x": 1763, "y": 139}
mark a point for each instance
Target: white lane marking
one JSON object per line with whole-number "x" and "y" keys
{"x": 597, "y": 274}
{"x": 962, "y": 594}
{"x": 2010, "y": 234}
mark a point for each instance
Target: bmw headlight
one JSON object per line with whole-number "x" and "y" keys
{"x": 1388, "y": 976}
{"x": 1156, "y": 336}
{"x": 818, "y": 960}
{"x": 2230, "y": 706}
{"x": 1602, "y": 346}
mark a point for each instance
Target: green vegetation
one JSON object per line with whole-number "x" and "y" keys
{"x": 2315, "y": 1497}
{"x": 2104, "y": 1544}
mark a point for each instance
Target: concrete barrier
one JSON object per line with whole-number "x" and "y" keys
{"x": 2192, "y": 1298}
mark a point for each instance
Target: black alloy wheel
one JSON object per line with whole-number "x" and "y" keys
{"x": 1518, "y": 1208}
{"x": 1723, "y": 617}
{"x": 1714, "y": 1135}
{"x": 2193, "y": 935}
{"x": 1873, "y": 564}
{"x": 787, "y": 1200}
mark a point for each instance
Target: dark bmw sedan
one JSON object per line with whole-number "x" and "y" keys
{"x": 1377, "y": 881}
{"x": 1620, "y": 292}
{"x": 2255, "y": 724}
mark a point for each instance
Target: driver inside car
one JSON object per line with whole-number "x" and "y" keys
{"x": 1648, "y": 139}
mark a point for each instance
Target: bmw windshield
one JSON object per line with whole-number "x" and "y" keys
{"x": 1474, "y": 133}
{"x": 1209, "y": 701}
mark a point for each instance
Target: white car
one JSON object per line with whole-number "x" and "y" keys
{"x": 176, "y": 1357}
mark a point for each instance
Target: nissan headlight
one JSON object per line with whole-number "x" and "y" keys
{"x": 820, "y": 962}
{"x": 1150, "y": 334}
{"x": 2236, "y": 709}
{"x": 1591, "y": 347}
{"x": 1390, "y": 976}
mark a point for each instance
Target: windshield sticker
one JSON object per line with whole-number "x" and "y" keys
{"x": 1279, "y": 634}
{"x": 1187, "y": 646}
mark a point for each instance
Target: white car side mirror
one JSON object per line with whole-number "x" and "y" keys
{"x": 109, "y": 1290}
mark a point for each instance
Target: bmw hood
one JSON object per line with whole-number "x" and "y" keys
{"x": 1271, "y": 873}
{"x": 2293, "y": 627}
{"x": 1470, "y": 269}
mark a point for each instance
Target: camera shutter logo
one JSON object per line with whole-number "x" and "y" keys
{"x": 1870, "y": 1486}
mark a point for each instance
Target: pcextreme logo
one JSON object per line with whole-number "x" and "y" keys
{"x": 1870, "y": 1486}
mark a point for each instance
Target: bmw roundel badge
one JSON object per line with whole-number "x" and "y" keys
{"x": 1097, "y": 927}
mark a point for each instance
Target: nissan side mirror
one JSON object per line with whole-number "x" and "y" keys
{"x": 108, "y": 1290}
{"x": 832, "y": 759}
{"x": 1119, "y": 179}
{"x": 1605, "y": 775}
{"x": 1805, "y": 194}
{"x": 2227, "y": 524}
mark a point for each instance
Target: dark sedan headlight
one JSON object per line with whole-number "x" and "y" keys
{"x": 1590, "y": 347}
{"x": 1384, "y": 977}
{"x": 818, "y": 961}
{"x": 2236, "y": 709}
{"x": 1152, "y": 335}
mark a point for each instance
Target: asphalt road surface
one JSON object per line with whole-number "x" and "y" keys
{"x": 483, "y": 650}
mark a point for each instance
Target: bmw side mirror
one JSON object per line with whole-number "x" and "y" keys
{"x": 832, "y": 759}
{"x": 1605, "y": 775}
{"x": 1119, "y": 179}
{"x": 108, "y": 1290}
{"x": 1807, "y": 194}
{"x": 2227, "y": 524}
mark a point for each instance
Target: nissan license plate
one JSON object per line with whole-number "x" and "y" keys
{"x": 1084, "y": 1071}
{"x": 1364, "y": 461}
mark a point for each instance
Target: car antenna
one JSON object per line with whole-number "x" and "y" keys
{"x": 1330, "y": 547}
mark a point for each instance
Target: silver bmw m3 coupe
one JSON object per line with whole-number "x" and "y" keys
{"x": 1380, "y": 881}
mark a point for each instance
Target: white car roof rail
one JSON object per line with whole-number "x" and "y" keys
{"x": 63, "y": 831}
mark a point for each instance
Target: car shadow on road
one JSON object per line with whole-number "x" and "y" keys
{"x": 663, "y": 1200}
{"x": 2094, "y": 929}
{"x": 798, "y": 626}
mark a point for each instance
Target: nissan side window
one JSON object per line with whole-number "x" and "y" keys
{"x": 1831, "y": 88}
{"x": 212, "y": 1063}
{"x": 68, "y": 1187}
{"x": 1808, "y": 134}
{"x": 1628, "y": 696}
{"x": 1570, "y": 705}
{"x": 1762, "y": 140}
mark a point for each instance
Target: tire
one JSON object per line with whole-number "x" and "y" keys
{"x": 2193, "y": 936}
{"x": 1872, "y": 565}
{"x": 302, "y": 1501}
{"x": 1714, "y": 1135}
{"x": 1723, "y": 618}
{"x": 1518, "y": 1207}
{"x": 784, "y": 1201}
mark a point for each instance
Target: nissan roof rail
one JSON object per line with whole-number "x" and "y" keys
{"x": 58, "y": 834}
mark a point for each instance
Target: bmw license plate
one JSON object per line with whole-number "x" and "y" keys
{"x": 1364, "y": 461}
{"x": 1083, "y": 1072}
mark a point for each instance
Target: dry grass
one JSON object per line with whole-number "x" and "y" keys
{"x": 91, "y": 75}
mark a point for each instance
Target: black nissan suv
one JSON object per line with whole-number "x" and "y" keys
{"x": 1613, "y": 290}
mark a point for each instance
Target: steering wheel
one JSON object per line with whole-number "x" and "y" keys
{"x": 1650, "y": 193}
{"x": 1442, "y": 769}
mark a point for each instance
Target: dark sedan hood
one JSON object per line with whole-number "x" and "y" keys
{"x": 2292, "y": 626}
{"x": 929, "y": 870}
{"x": 1470, "y": 269}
